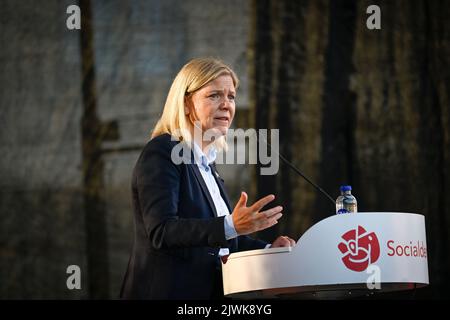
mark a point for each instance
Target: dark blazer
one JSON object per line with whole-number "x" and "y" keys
{"x": 177, "y": 232}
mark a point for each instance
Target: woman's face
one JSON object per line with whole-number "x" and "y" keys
{"x": 214, "y": 104}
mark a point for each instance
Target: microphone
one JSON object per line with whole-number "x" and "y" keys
{"x": 290, "y": 165}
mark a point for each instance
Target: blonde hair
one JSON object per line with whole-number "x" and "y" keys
{"x": 193, "y": 76}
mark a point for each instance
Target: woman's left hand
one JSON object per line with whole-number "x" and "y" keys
{"x": 283, "y": 241}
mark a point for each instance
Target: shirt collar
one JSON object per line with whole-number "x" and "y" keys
{"x": 202, "y": 159}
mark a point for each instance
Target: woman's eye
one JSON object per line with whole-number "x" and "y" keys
{"x": 231, "y": 97}
{"x": 214, "y": 96}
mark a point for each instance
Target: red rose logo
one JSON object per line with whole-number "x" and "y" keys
{"x": 359, "y": 249}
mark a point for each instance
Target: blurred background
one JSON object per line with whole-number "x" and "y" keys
{"x": 354, "y": 106}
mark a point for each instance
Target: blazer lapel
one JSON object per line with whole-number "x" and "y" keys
{"x": 233, "y": 243}
{"x": 205, "y": 190}
{"x": 221, "y": 185}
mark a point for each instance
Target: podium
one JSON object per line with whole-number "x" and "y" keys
{"x": 342, "y": 256}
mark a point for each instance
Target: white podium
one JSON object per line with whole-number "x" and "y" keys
{"x": 344, "y": 255}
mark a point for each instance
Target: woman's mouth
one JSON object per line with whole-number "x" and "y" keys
{"x": 222, "y": 120}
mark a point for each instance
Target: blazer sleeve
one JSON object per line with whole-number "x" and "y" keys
{"x": 158, "y": 187}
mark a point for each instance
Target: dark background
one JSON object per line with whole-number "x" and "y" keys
{"x": 354, "y": 106}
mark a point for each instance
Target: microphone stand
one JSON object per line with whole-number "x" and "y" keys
{"x": 300, "y": 173}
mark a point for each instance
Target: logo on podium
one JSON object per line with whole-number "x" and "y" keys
{"x": 359, "y": 248}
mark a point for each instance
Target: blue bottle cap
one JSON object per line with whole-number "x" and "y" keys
{"x": 346, "y": 188}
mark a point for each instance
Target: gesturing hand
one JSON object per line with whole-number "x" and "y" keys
{"x": 249, "y": 219}
{"x": 283, "y": 241}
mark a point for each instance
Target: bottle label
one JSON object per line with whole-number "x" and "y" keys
{"x": 350, "y": 207}
{"x": 342, "y": 211}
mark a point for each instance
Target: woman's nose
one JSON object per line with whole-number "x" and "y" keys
{"x": 226, "y": 103}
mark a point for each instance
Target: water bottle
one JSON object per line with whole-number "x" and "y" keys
{"x": 346, "y": 202}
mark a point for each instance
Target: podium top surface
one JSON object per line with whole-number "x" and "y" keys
{"x": 259, "y": 252}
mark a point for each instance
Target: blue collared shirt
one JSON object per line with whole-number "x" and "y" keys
{"x": 203, "y": 162}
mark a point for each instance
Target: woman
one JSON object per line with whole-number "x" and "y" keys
{"x": 183, "y": 220}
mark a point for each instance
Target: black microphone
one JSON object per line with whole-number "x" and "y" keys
{"x": 300, "y": 173}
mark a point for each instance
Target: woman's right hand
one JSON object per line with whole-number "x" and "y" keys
{"x": 247, "y": 220}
